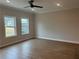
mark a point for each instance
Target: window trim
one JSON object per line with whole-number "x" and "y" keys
{"x": 15, "y": 27}
{"x": 21, "y": 26}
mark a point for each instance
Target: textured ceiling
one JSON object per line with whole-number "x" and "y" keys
{"x": 49, "y": 5}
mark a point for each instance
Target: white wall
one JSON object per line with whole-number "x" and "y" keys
{"x": 60, "y": 25}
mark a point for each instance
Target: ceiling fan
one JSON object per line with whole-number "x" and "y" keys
{"x": 32, "y": 5}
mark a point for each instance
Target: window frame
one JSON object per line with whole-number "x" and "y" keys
{"x": 21, "y": 26}
{"x": 15, "y": 26}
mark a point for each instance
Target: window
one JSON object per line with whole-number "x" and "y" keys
{"x": 24, "y": 26}
{"x": 10, "y": 26}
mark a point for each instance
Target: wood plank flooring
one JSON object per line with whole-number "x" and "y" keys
{"x": 41, "y": 49}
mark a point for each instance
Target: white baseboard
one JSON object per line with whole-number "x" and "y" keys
{"x": 10, "y": 43}
{"x": 14, "y": 42}
{"x": 68, "y": 41}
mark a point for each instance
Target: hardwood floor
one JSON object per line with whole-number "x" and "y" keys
{"x": 41, "y": 49}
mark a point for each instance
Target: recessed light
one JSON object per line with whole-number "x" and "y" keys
{"x": 8, "y": 1}
{"x": 58, "y": 4}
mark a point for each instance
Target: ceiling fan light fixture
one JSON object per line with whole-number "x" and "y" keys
{"x": 8, "y": 1}
{"x": 33, "y": 9}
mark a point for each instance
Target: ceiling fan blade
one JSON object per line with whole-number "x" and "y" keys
{"x": 32, "y": 5}
{"x": 31, "y": 1}
{"x": 38, "y": 6}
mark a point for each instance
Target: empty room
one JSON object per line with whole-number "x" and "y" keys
{"x": 39, "y": 29}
